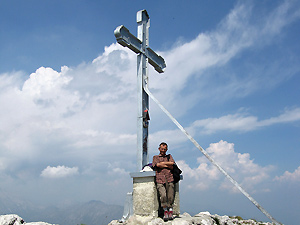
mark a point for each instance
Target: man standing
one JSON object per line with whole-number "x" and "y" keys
{"x": 163, "y": 164}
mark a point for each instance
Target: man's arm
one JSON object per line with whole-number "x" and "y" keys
{"x": 165, "y": 165}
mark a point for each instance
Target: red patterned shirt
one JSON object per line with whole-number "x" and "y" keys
{"x": 163, "y": 174}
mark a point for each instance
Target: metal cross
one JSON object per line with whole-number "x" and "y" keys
{"x": 139, "y": 45}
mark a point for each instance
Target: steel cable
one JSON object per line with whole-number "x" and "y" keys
{"x": 208, "y": 156}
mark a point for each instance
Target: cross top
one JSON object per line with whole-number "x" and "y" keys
{"x": 140, "y": 45}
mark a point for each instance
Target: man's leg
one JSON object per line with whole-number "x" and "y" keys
{"x": 170, "y": 194}
{"x": 162, "y": 195}
{"x": 163, "y": 199}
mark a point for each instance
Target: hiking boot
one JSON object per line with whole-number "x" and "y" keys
{"x": 166, "y": 216}
{"x": 171, "y": 215}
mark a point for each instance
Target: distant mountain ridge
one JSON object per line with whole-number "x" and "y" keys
{"x": 98, "y": 213}
{"x": 90, "y": 213}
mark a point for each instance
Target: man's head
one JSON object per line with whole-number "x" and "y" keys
{"x": 163, "y": 148}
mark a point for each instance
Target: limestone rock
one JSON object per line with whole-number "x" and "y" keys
{"x": 202, "y": 218}
{"x": 13, "y": 219}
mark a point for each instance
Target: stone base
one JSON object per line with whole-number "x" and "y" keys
{"x": 145, "y": 197}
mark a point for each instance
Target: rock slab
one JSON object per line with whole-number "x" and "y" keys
{"x": 13, "y": 219}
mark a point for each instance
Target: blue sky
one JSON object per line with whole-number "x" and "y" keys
{"x": 68, "y": 101}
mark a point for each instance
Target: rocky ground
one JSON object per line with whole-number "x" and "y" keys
{"x": 202, "y": 218}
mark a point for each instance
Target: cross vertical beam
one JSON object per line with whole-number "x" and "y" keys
{"x": 143, "y": 98}
{"x": 140, "y": 45}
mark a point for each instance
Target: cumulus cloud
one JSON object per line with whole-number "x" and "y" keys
{"x": 93, "y": 106}
{"x": 293, "y": 177}
{"x": 45, "y": 80}
{"x": 76, "y": 108}
{"x": 238, "y": 165}
{"x": 59, "y": 172}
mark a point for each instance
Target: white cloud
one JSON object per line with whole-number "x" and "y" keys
{"x": 174, "y": 136}
{"x": 289, "y": 177}
{"x": 45, "y": 81}
{"x": 116, "y": 171}
{"x": 78, "y": 108}
{"x": 290, "y": 115}
{"x": 240, "y": 166}
{"x": 59, "y": 172}
{"x": 284, "y": 14}
{"x": 2, "y": 164}
{"x": 204, "y": 68}
{"x": 242, "y": 122}
{"x": 229, "y": 122}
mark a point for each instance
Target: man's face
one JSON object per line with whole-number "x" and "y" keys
{"x": 163, "y": 149}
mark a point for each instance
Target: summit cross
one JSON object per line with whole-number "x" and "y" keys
{"x": 140, "y": 45}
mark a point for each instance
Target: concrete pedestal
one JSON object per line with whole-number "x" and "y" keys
{"x": 145, "y": 197}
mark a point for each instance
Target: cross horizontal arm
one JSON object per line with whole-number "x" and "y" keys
{"x": 126, "y": 39}
{"x": 155, "y": 60}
